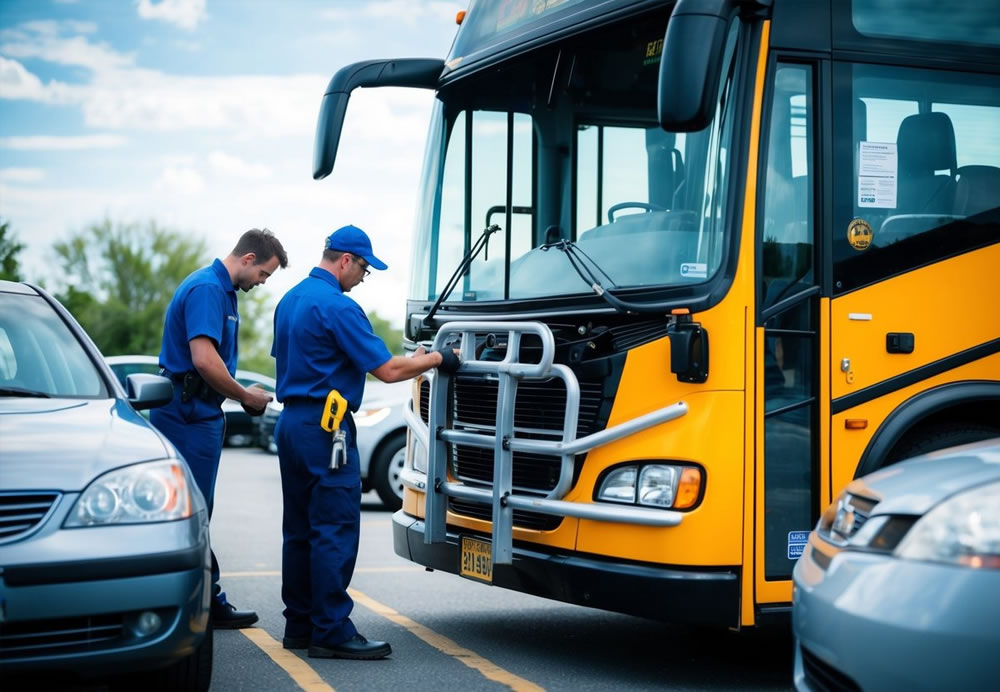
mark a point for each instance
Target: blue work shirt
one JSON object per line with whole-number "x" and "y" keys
{"x": 203, "y": 305}
{"x": 322, "y": 341}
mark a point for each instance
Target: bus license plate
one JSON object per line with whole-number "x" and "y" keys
{"x": 476, "y": 559}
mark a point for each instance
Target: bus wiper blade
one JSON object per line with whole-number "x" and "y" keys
{"x": 480, "y": 243}
{"x": 576, "y": 256}
{"x": 19, "y": 391}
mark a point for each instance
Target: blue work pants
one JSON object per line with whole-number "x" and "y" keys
{"x": 199, "y": 440}
{"x": 321, "y": 525}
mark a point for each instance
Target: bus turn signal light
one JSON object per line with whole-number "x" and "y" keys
{"x": 459, "y": 17}
{"x": 689, "y": 488}
{"x": 856, "y": 423}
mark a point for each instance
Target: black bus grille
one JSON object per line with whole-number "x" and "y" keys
{"x": 522, "y": 519}
{"x": 22, "y": 512}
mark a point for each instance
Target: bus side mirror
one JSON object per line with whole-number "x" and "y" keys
{"x": 688, "y": 349}
{"x": 691, "y": 65}
{"x": 420, "y": 73}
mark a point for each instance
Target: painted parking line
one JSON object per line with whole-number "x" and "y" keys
{"x": 357, "y": 570}
{"x": 470, "y": 658}
{"x": 298, "y": 670}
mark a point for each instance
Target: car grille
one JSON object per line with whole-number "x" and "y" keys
{"x": 20, "y": 513}
{"x": 39, "y": 637}
{"x": 86, "y": 633}
{"x": 823, "y": 677}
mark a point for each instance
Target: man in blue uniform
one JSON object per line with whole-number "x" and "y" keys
{"x": 324, "y": 341}
{"x": 199, "y": 356}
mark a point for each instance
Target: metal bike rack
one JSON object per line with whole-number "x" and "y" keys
{"x": 509, "y": 373}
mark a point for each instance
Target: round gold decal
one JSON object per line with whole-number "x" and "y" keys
{"x": 859, "y": 234}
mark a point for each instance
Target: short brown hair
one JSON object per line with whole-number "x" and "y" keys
{"x": 263, "y": 244}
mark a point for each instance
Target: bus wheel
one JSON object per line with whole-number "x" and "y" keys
{"x": 940, "y": 436}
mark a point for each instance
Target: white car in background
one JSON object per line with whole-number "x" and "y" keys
{"x": 241, "y": 429}
{"x": 381, "y": 438}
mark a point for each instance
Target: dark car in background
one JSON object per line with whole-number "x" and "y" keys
{"x": 381, "y": 438}
{"x": 104, "y": 544}
{"x": 899, "y": 585}
{"x": 241, "y": 429}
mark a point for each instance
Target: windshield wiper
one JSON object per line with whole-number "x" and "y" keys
{"x": 480, "y": 243}
{"x": 576, "y": 258}
{"x": 19, "y": 391}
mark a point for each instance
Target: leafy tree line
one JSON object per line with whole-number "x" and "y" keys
{"x": 118, "y": 278}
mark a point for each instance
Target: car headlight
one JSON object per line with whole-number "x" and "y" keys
{"x": 667, "y": 486}
{"x": 146, "y": 492}
{"x": 367, "y": 417}
{"x": 962, "y": 530}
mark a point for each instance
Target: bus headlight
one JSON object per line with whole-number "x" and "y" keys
{"x": 666, "y": 486}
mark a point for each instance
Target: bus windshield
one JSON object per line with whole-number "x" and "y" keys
{"x": 566, "y": 136}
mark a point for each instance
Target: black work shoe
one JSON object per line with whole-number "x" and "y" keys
{"x": 357, "y": 647}
{"x": 226, "y": 617}
{"x": 295, "y": 642}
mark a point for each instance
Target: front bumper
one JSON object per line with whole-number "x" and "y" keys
{"x": 64, "y": 608}
{"x": 872, "y": 621}
{"x": 708, "y": 597}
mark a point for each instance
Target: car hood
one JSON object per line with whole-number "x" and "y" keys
{"x": 914, "y": 486}
{"x": 62, "y": 444}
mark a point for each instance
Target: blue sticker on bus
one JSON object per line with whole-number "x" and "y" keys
{"x": 797, "y": 543}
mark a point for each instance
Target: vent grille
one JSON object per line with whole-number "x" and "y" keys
{"x": 629, "y": 336}
{"x": 40, "y": 637}
{"x": 20, "y": 513}
{"x": 425, "y": 401}
{"x": 522, "y": 519}
{"x": 822, "y": 676}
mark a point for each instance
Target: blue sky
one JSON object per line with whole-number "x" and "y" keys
{"x": 200, "y": 114}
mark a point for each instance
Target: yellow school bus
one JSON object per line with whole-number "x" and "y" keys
{"x": 706, "y": 261}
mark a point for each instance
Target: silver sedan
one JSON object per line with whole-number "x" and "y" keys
{"x": 899, "y": 587}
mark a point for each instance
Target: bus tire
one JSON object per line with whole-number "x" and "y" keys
{"x": 939, "y": 436}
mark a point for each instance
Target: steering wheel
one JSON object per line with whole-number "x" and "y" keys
{"x": 633, "y": 205}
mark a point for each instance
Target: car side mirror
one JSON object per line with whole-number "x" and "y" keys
{"x": 147, "y": 391}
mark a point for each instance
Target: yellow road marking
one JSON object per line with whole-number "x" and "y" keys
{"x": 299, "y": 671}
{"x": 440, "y": 642}
{"x": 357, "y": 570}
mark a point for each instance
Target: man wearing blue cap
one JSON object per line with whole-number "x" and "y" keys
{"x": 322, "y": 341}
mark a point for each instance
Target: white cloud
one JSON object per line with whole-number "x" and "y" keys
{"x": 54, "y": 143}
{"x": 17, "y": 83}
{"x": 183, "y": 13}
{"x": 237, "y": 167}
{"x": 45, "y": 40}
{"x": 409, "y": 12}
{"x": 21, "y": 175}
{"x": 185, "y": 181}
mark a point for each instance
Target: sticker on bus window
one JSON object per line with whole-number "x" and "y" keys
{"x": 694, "y": 270}
{"x": 877, "y": 171}
{"x": 797, "y": 543}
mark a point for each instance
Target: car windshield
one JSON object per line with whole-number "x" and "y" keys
{"x": 40, "y": 355}
{"x": 569, "y": 135}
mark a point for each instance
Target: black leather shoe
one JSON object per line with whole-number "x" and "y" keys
{"x": 357, "y": 647}
{"x": 295, "y": 642}
{"x": 226, "y": 617}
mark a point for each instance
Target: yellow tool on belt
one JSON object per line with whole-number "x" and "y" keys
{"x": 333, "y": 414}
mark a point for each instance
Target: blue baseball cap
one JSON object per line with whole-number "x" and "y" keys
{"x": 355, "y": 241}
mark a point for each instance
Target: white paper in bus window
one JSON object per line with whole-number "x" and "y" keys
{"x": 877, "y": 169}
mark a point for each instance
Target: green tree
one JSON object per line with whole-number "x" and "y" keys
{"x": 256, "y": 330}
{"x": 392, "y": 337}
{"x": 117, "y": 280}
{"x": 10, "y": 248}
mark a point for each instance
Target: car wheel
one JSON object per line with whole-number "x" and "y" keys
{"x": 386, "y": 470}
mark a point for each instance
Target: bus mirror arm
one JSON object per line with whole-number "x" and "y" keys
{"x": 419, "y": 73}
